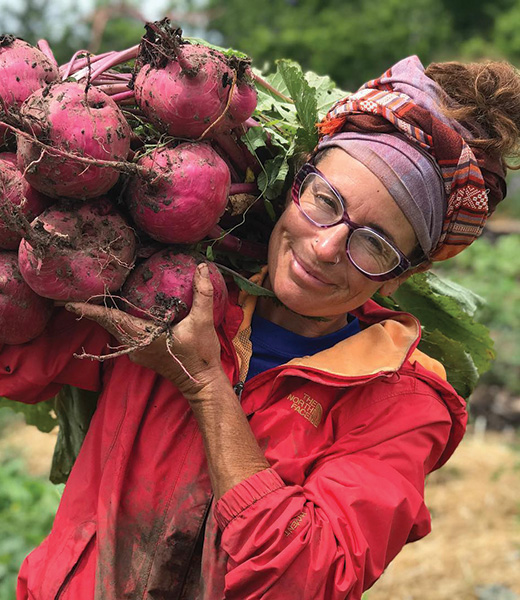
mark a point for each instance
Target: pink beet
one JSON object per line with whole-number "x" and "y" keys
{"x": 23, "y": 70}
{"x": 185, "y": 198}
{"x": 162, "y": 287}
{"x": 184, "y": 88}
{"x": 23, "y": 314}
{"x": 77, "y": 120}
{"x": 18, "y": 202}
{"x": 77, "y": 251}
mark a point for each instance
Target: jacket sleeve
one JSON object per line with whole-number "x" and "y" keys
{"x": 332, "y": 537}
{"x": 36, "y": 371}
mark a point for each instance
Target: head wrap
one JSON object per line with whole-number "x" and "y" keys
{"x": 410, "y": 175}
{"x": 407, "y": 104}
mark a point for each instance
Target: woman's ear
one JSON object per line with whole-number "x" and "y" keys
{"x": 392, "y": 285}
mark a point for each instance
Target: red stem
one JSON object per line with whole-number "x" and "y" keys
{"x": 114, "y": 88}
{"x": 66, "y": 69}
{"x": 112, "y": 61}
{"x": 74, "y": 66}
{"x": 231, "y": 243}
{"x": 243, "y": 188}
{"x": 238, "y": 153}
{"x": 235, "y": 176}
{"x": 252, "y": 160}
{"x": 242, "y": 129}
{"x": 251, "y": 123}
{"x": 43, "y": 45}
{"x": 113, "y": 77}
{"x": 124, "y": 97}
{"x": 134, "y": 110}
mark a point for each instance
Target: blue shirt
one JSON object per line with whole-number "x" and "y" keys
{"x": 273, "y": 345}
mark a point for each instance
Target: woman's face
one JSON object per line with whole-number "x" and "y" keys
{"x": 309, "y": 270}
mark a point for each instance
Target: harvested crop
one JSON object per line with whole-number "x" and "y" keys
{"x": 77, "y": 251}
{"x": 161, "y": 288}
{"x": 185, "y": 198}
{"x": 190, "y": 90}
{"x": 23, "y": 70}
{"x": 71, "y": 119}
{"x": 23, "y": 314}
{"x": 19, "y": 202}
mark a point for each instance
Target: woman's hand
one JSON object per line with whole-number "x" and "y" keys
{"x": 188, "y": 354}
{"x": 231, "y": 449}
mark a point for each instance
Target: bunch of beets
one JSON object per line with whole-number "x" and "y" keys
{"x": 92, "y": 206}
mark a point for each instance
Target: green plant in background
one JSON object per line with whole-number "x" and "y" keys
{"x": 27, "y": 508}
{"x": 491, "y": 268}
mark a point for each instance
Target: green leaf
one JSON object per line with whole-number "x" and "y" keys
{"x": 326, "y": 92}
{"x": 450, "y": 333}
{"x": 226, "y": 51}
{"x": 271, "y": 180}
{"x": 305, "y": 101}
{"x": 27, "y": 509}
{"x": 254, "y": 138}
{"x": 460, "y": 367}
{"x": 41, "y": 415}
{"x": 74, "y": 409}
{"x": 244, "y": 283}
{"x": 277, "y": 82}
{"x": 443, "y": 305}
{"x": 270, "y": 209}
{"x": 209, "y": 253}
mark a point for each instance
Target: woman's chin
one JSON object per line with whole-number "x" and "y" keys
{"x": 298, "y": 304}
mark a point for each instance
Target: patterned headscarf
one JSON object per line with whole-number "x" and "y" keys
{"x": 405, "y": 100}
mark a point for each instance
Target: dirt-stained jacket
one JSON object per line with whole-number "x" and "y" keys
{"x": 350, "y": 435}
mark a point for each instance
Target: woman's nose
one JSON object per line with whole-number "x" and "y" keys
{"x": 330, "y": 243}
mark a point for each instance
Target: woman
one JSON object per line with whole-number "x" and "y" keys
{"x": 307, "y": 479}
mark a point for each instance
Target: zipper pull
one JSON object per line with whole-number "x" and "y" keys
{"x": 238, "y": 388}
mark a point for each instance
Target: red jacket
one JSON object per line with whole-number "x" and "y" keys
{"x": 350, "y": 434}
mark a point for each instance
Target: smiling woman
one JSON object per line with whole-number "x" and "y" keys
{"x": 313, "y": 270}
{"x": 283, "y": 454}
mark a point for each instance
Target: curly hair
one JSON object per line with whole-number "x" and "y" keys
{"x": 485, "y": 98}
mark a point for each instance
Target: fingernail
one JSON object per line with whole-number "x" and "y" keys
{"x": 203, "y": 269}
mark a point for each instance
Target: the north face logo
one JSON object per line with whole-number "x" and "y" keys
{"x": 307, "y": 407}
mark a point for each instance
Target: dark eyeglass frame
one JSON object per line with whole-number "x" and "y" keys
{"x": 404, "y": 262}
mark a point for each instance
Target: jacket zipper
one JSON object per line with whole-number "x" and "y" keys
{"x": 66, "y": 581}
{"x": 238, "y": 388}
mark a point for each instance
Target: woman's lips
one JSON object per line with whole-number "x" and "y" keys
{"x": 307, "y": 273}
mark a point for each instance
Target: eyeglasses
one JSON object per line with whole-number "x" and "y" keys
{"x": 369, "y": 251}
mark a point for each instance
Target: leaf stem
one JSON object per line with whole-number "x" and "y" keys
{"x": 263, "y": 83}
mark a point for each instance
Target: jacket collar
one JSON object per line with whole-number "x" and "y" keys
{"x": 387, "y": 339}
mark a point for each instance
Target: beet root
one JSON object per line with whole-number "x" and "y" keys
{"x": 187, "y": 196}
{"x": 161, "y": 287}
{"x": 190, "y": 90}
{"x": 19, "y": 202}
{"x": 76, "y": 120}
{"x": 23, "y": 314}
{"x": 77, "y": 251}
{"x": 23, "y": 70}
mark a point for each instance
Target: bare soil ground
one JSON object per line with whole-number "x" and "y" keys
{"x": 475, "y": 539}
{"x": 475, "y": 503}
